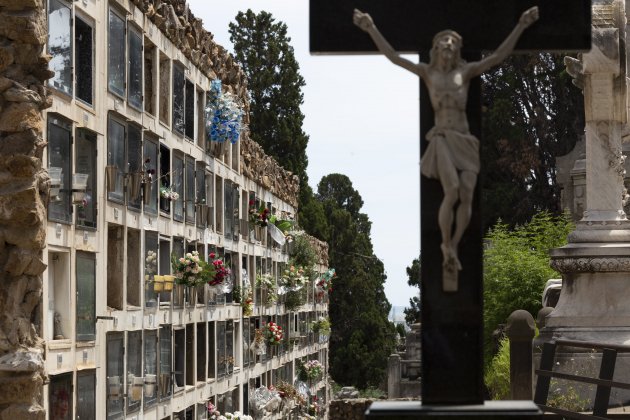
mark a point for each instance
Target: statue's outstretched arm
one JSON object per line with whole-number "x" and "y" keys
{"x": 507, "y": 46}
{"x": 365, "y": 22}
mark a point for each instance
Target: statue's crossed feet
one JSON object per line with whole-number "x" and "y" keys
{"x": 450, "y": 262}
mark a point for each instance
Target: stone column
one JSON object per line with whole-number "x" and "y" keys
{"x": 24, "y": 189}
{"x": 393, "y": 376}
{"x": 520, "y": 330}
{"x": 594, "y": 304}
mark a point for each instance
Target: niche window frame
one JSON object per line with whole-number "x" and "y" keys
{"x": 62, "y": 80}
{"x": 135, "y": 67}
{"x": 178, "y": 184}
{"x": 120, "y": 153}
{"x": 116, "y": 53}
{"x": 85, "y": 153}
{"x": 190, "y": 191}
{"x": 178, "y": 110}
{"x": 85, "y": 264}
{"x": 60, "y": 148}
{"x": 84, "y": 81}
{"x": 115, "y": 370}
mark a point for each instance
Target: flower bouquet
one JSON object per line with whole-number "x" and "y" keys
{"x": 293, "y": 279}
{"x": 273, "y": 333}
{"x": 259, "y": 342}
{"x": 258, "y": 216}
{"x": 224, "y": 116}
{"x": 267, "y": 283}
{"x": 216, "y": 272}
{"x": 248, "y": 305}
{"x": 325, "y": 281}
{"x": 310, "y": 370}
{"x": 321, "y": 326}
{"x": 168, "y": 193}
{"x": 188, "y": 269}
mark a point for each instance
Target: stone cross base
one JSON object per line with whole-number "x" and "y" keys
{"x": 392, "y": 410}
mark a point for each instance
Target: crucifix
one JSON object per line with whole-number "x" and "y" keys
{"x": 451, "y": 234}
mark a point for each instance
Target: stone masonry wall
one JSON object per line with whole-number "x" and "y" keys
{"x": 265, "y": 171}
{"x": 24, "y": 187}
{"x": 351, "y": 409}
{"x": 176, "y": 21}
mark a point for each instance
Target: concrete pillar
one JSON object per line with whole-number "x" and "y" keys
{"x": 393, "y": 376}
{"x": 520, "y": 330}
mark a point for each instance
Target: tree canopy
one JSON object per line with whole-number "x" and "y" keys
{"x": 412, "y": 313}
{"x": 263, "y": 50}
{"x": 362, "y": 337}
{"x": 532, "y": 114}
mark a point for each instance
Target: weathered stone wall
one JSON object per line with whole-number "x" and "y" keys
{"x": 175, "y": 20}
{"x": 353, "y": 409}
{"x": 24, "y": 189}
{"x": 321, "y": 249}
{"x": 264, "y": 170}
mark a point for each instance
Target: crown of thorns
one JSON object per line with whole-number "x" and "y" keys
{"x": 450, "y": 32}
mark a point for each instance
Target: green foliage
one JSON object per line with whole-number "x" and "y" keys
{"x": 400, "y": 328}
{"x": 262, "y": 48}
{"x": 311, "y": 213}
{"x": 525, "y": 126}
{"x": 566, "y": 397}
{"x": 516, "y": 267}
{"x": 294, "y": 299}
{"x": 302, "y": 253}
{"x": 413, "y": 313}
{"x": 372, "y": 393}
{"x": 362, "y": 338}
{"x": 497, "y": 376}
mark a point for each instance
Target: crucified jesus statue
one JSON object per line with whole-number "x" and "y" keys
{"x": 452, "y": 156}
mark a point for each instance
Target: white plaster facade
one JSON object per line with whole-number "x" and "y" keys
{"x": 96, "y": 252}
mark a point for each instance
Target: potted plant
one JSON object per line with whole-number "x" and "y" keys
{"x": 158, "y": 283}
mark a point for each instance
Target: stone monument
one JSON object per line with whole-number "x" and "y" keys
{"x": 594, "y": 304}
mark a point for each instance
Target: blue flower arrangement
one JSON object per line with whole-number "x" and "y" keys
{"x": 224, "y": 116}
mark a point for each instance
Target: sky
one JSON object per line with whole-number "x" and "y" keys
{"x": 361, "y": 116}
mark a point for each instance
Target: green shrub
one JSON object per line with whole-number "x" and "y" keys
{"x": 516, "y": 268}
{"x": 497, "y": 376}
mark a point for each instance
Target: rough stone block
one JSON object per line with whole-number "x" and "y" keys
{"x": 6, "y": 57}
{"x": 23, "y": 143}
{"x": 19, "y": 388}
{"x": 21, "y": 209}
{"x": 21, "y": 116}
{"x": 24, "y": 412}
{"x": 20, "y": 4}
{"x": 28, "y": 25}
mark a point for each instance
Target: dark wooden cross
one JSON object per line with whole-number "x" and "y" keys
{"x": 452, "y": 322}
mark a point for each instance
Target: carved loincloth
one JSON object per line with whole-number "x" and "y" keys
{"x": 461, "y": 149}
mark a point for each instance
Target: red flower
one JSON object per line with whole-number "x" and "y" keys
{"x": 212, "y": 255}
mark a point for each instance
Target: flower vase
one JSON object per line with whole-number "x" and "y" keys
{"x": 165, "y": 383}
{"x": 192, "y": 295}
{"x": 150, "y": 380}
{"x": 147, "y": 187}
{"x": 178, "y": 295}
{"x": 55, "y": 174}
{"x": 136, "y": 385}
{"x": 111, "y": 175}
{"x": 158, "y": 283}
{"x": 168, "y": 283}
{"x": 135, "y": 185}
{"x": 114, "y": 387}
{"x": 202, "y": 214}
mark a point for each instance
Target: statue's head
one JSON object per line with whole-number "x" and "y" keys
{"x": 447, "y": 47}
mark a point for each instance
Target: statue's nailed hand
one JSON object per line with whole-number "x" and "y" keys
{"x": 529, "y": 16}
{"x": 362, "y": 20}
